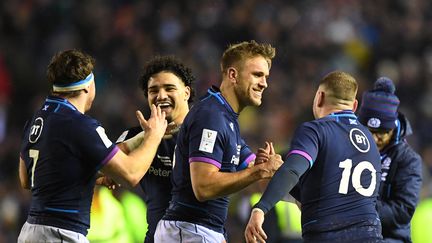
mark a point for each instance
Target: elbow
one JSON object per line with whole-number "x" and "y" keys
{"x": 123, "y": 147}
{"x": 200, "y": 197}
{"x": 131, "y": 180}
{"x": 200, "y": 194}
{"x": 25, "y": 186}
{"x": 24, "y": 183}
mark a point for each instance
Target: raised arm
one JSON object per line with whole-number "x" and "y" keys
{"x": 130, "y": 168}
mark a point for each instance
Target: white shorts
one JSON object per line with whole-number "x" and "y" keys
{"x": 179, "y": 231}
{"x": 43, "y": 233}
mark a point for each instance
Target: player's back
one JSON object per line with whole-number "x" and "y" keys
{"x": 63, "y": 151}
{"x": 340, "y": 189}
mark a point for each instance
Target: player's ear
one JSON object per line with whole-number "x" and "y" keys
{"x": 232, "y": 74}
{"x": 355, "y": 105}
{"x": 187, "y": 93}
{"x": 320, "y": 98}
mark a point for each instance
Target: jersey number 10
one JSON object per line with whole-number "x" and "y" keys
{"x": 356, "y": 177}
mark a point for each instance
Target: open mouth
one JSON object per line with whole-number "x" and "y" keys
{"x": 164, "y": 105}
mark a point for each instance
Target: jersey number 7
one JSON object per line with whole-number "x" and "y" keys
{"x": 34, "y": 154}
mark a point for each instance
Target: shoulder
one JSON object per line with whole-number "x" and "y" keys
{"x": 73, "y": 123}
{"x": 206, "y": 113}
{"x": 208, "y": 104}
{"x": 306, "y": 134}
{"x": 405, "y": 154}
{"x": 310, "y": 127}
{"x": 82, "y": 120}
{"x": 80, "y": 126}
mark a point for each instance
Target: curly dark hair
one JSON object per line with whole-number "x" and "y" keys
{"x": 167, "y": 64}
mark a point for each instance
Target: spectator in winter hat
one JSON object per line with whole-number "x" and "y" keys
{"x": 401, "y": 165}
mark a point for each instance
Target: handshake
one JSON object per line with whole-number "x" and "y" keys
{"x": 268, "y": 159}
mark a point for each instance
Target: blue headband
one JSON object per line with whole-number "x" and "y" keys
{"x": 81, "y": 84}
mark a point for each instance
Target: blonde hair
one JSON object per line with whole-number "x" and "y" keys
{"x": 340, "y": 87}
{"x": 236, "y": 54}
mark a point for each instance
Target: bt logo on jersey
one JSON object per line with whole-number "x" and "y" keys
{"x": 359, "y": 140}
{"x": 36, "y": 130}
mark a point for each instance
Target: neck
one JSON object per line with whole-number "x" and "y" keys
{"x": 327, "y": 110}
{"x": 179, "y": 119}
{"x": 228, "y": 92}
{"x": 79, "y": 102}
{"x": 330, "y": 111}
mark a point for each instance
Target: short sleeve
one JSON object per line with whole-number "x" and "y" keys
{"x": 95, "y": 146}
{"x": 207, "y": 137}
{"x": 246, "y": 156}
{"x": 306, "y": 142}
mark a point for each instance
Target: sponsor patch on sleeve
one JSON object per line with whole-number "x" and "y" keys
{"x": 208, "y": 139}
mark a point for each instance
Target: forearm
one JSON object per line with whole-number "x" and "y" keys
{"x": 132, "y": 167}
{"x": 209, "y": 183}
{"x": 132, "y": 143}
{"x": 129, "y": 169}
{"x": 144, "y": 153}
{"x": 283, "y": 181}
{"x": 216, "y": 184}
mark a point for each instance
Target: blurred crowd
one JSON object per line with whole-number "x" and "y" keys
{"x": 366, "y": 38}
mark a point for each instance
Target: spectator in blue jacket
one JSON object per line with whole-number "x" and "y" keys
{"x": 401, "y": 165}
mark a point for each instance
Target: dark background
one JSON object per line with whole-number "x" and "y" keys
{"x": 365, "y": 38}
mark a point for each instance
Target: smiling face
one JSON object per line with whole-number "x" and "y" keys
{"x": 252, "y": 81}
{"x": 168, "y": 91}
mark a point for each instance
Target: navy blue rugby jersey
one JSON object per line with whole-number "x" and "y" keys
{"x": 63, "y": 150}
{"x": 210, "y": 133}
{"x": 341, "y": 186}
{"x": 156, "y": 183}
